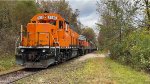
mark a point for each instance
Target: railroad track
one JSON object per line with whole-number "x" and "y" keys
{"x": 12, "y": 77}
{"x": 16, "y": 75}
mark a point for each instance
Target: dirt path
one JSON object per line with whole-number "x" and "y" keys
{"x": 91, "y": 55}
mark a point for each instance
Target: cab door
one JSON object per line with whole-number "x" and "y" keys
{"x": 61, "y": 33}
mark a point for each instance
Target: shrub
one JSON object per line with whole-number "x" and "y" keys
{"x": 134, "y": 50}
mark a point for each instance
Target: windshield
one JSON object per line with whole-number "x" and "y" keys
{"x": 53, "y": 22}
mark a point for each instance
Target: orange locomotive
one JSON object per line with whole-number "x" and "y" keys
{"x": 49, "y": 39}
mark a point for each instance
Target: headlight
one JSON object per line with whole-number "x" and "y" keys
{"x": 22, "y": 50}
{"x": 43, "y": 50}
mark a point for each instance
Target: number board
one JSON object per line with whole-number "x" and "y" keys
{"x": 52, "y": 17}
{"x": 40, "y": 17}
{"x": 49, "y": 17}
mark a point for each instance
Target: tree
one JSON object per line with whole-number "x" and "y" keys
{"x": 117, "y": 20}
{"x": 12, "y": 15}
{"x": 89, "y": 34}
{"x": 147, "y": 7}
{"x": 23, "y": 17}
{"x": 144, "y": 5}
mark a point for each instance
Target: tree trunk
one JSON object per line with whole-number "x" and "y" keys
{"x": 148, "y": 13}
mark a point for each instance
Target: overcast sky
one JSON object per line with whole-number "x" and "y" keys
{"x": 87, "y": 8}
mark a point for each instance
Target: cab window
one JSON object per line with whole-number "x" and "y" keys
{"x": 33, "y": 21}
{"x": 53, "y": 22}
{"x": 60, "y": 24}
{"x": 42, "y": 21}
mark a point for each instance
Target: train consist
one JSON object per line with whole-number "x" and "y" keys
{"x": 49, "y": 39}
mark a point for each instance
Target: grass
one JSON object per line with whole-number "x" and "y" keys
{"x": 126, "y": 75}
{"x": 91, "y": 71}
{"x": 8, "y": 64}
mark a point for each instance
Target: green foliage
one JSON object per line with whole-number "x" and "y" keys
{"x": 24, "y": 11}
{"x": 117, "y": 19}
{"x": 12, "y": 15}
{"x": 127, "y": 42}
{"x": 134, "y": 50}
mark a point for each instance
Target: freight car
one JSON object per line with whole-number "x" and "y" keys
{"x": 48, "y": 39}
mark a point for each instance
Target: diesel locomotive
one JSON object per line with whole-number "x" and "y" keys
{"x": 48, "y": 39}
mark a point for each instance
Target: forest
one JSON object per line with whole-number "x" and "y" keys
{"x": 125, "y": 31}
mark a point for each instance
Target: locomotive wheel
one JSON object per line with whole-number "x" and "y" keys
{"x": 58, "y": 59}
{"x": 78, "y": 53}
{"x": 67, "y": 55}
{"x": 62, "y": 57}
{"x": 82, "y": 52}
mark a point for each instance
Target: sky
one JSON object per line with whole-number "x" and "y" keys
{"x": 88, "y": 15}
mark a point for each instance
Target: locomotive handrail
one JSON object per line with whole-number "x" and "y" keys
{"x": 16, "y": 44}
{"x": 57, "y": 38}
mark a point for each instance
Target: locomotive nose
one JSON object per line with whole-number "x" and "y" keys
{"x": 39, "y": 34}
